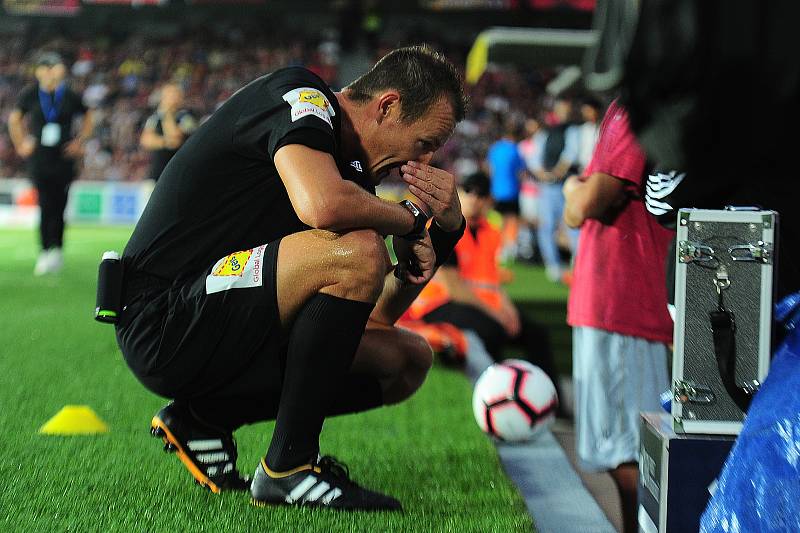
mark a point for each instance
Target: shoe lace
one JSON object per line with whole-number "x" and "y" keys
{"x": 336, "y": 468}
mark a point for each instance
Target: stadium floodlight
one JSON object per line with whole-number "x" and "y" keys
{"x": 528, "y": 47}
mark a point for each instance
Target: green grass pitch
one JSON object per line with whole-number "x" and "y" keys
{"x": 428, "y": 451}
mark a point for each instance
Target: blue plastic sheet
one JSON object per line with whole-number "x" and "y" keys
{"x": 759, "y": 486}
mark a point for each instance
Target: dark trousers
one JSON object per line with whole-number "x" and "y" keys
{"x": 464, "y": 316}
{"x": 533, "y": 339}
{"x": 53, "y": 191}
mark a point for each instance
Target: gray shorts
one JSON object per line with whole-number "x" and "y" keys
{"x": 615, "y": 378}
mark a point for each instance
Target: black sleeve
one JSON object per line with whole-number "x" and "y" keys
{"x": 291, "y": 105}
{"x": 305, "y": 114}
{"x": 80, "y": 107}
{"x": 25, "y": 100}
{"x": 452, "y": 261}
{"x": 444, "y": 243}
{"x": 668, "y": 191}
{"x": 307, "y": 136}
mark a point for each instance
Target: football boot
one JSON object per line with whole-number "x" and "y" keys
{"x": 208, "y": 453}
{"x": 325, "y": 483}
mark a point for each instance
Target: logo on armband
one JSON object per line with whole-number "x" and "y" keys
{"x": 233, "y": 264}
{"x": 239, "y": 270}
{"x": 309, "y": 101}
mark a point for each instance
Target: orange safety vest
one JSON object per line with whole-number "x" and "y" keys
{"x": 478, "y": 266}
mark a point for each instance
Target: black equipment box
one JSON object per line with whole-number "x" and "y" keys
{"x": 676, "y": 475}
{"x": 724, "y": 293}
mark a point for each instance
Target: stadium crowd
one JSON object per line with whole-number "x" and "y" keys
{"x": 120, "y": 81}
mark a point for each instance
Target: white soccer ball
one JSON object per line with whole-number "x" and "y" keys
{"x": 514, "y": 401}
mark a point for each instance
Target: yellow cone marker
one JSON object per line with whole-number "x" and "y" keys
{"x": 74, "y": 420}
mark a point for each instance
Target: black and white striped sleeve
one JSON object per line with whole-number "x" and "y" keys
{"x": 659, "y": 195}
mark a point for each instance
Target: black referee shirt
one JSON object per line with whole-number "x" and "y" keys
{"x": 221, "y": 192}
{"x": 160, "y": 157}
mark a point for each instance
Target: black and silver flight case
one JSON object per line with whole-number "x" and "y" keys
{"x": 724, "y": 293}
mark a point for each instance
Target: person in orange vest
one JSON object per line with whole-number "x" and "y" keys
{"x": 467, "y": 292}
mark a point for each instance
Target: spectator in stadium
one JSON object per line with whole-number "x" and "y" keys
{"x": 550, "y": 165}
{"x": 467, "y": 290}
{"x": 505, "y": 168}
{"x": 588, "y": 130}
{"x": 47, "y": 142}
{"x": 257, "y": 282}
{"x": 166, "y": 129}
{"x": 529, "y": 196}
{"x": 617, "y": 307}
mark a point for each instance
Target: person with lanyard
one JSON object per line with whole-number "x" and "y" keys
{"x": 46, "y": 141}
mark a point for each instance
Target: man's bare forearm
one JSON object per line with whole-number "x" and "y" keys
{"x": 151, "y": 140}
{"x": 87, "y": 127}
{"x": 16, "y": 129}
{"x": 351, "y": 207}
{"x": 394, "y": 300}
{"x": 322, "y": 199}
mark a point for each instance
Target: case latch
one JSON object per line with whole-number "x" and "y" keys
{"x": 759, "y": 252}
{"x": 694, "y": 252}
{"x": 690, "y": 392}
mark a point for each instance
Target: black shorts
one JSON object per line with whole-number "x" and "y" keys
{"x": 215, "y": 334}
{"x": 507, "y": 207}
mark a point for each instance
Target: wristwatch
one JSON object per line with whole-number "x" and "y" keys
{"x": 420, "y": 220}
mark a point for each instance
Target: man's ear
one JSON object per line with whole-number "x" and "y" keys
{"x": 388, "y": 105}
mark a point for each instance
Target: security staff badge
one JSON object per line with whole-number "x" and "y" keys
{"x": 51, "y": 134}
{"x": 309, "y": 101}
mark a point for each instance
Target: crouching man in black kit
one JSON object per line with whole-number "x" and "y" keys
{"x": 257, "y": 282}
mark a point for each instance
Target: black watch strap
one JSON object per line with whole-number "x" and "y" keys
{"x": 420, "y": 220}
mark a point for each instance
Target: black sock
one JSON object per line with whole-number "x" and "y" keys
{"x": 355, "y": 393}
{"x": 322, "y": 343}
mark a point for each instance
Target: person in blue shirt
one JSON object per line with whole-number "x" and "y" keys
{"x": 505, "y": 166}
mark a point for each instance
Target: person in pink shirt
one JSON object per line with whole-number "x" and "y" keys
{"x": 617, "y": 307}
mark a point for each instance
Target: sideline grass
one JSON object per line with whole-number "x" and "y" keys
{"x": 545, "y": 303}
{"x": 428, "y": 451}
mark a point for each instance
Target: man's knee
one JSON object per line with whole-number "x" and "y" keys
{"x": 363, "y": 261}
{"x": 417, "y": 361}
{"x": 420, "y": 355}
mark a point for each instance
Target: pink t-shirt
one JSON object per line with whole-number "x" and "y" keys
{"x": 619, "y": 281}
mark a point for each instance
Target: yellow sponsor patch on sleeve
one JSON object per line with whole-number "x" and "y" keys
{"x": 239, "y": 270}
{"x": 305, "y": 101}
{"x": 314, "y": 97}
{"x": 233, "y": 264}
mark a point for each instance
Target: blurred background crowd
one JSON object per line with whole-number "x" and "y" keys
{"x": 120, "y": 74}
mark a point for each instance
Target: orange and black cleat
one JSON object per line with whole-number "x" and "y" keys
{"x": 208, "y": 453}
